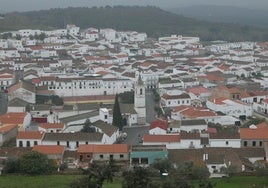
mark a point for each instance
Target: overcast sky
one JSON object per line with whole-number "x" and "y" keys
{"x": 26, "y": 5}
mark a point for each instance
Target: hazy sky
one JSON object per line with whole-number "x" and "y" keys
{"x": 26, "y": 5}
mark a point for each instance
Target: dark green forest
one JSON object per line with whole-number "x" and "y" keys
{"x": 152, "y": 20}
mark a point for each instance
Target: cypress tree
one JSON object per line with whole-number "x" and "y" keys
{"x": 117, "y": 116}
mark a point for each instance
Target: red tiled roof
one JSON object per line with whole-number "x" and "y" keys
{"x": 49, "y": 149}
{"x": 103, "y": 148}
{"x": 259, "y": 134}
{"x": 211, "y": 130}
{"x": 198, "y": 90}
{"x": 30, "y": 135}
{"x": 265, "y": 100}
{"x": 102, "y": 72}
{"x": 48, "y": 78}
{"x": 36, "y": 47}
{"x": 218, "y": 101}
{"x": 181, "y": 108}
{"x": 52, "y": 125}
{"x": 36, "y": 80}
{"x": 262, "y": 125}
{"x": 159, "y": 123}
{"x": 193, "y": 113}
{"x": 7, "y": 128}
{"x": 161, "y": 138}
{"x": 13, "y": 118}
{"x": 146, "y": 64}
{"x": 181, "y": 96}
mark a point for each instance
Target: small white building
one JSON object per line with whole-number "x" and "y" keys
{"x": 230, "y": 107}
{"x": 29, "y": 138}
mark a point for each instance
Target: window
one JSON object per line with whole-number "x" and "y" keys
{"x": 105, "y": 117}
{"x": 20, "y": 144}
{"x": 254, "y": 143}
{"x": 35, "y": 143}
{"x": 144, "y": 160}
{"x": 111, "y": 156}
{"x": 101, "y": 156}
{"x": 86, "y": 143}
{"x": 226, "y": 143}
{"x": 67, "y": 144}
{"x": 141, "y": 91}
{"x": 88, "y": 156}
{"x": 58, "y": 143}
{"x": 135, "y": 160}
{"x": 77, "y": 144}
{"x": 28, "y": 143}
{"x": 245, "y": 143}
{"x": 121, "y": 156}
{"x": 260, "y": 144}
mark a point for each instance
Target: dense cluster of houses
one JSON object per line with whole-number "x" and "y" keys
{"x": 221, "y": 83}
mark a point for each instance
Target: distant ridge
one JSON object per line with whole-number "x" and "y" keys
{"x": 225, "y": 14}
{"x": 152, "y": 20}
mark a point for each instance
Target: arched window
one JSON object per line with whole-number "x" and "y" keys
{"x": 141, "y": 91}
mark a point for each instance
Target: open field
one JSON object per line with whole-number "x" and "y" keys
{"x": 63, "y": 181}
{"x": 49, "y": 181}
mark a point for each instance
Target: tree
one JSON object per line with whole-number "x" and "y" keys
{"x": 11, "y": 165}
{"x": 18, "y": 37}
{"x": 88, "y": 128}
{"x": 127, "y": 97}
{"x": 200, "y": 172}
{"x": 117, "y": 116}
{"x": 163, "y": 165}
{"x": 97, "y": 174}
{"x": 138, "y": 178}
{"x": 56, "y": 100}
{"x": 34, "y": 163}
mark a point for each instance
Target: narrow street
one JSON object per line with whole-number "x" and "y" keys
{"x": 3, "y": 103}
{"x": 150, "y": 104}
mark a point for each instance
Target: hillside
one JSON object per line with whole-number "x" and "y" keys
{"x": 225, "y": 14}
{"x": 154, "y": 21}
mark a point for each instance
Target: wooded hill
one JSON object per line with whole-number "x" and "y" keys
{"x": 152, "y": 20}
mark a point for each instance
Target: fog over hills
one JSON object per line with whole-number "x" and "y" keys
{"x": 29, "y": 5}
{"x": 226, "y": 14}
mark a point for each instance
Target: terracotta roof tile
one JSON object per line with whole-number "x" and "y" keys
{"x": 181, "y": 96}
{"x": 30, "y": 135}
{"x": 103, "y": 148}
{"x": 259, "y": 134}
{"x": 52, "y": 125}
{"x": 7, "y": 128}
{"x": 161, "y": 138}
{"x": 49, "y": 149}
{"x": 159, "y": 123}
{"x": 12, "y": 118}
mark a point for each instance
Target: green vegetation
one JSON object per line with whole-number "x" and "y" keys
{"x": 31, "y": 163}
{"x": 45, "y": 181}
{"x": 53, "y": 99}
{"x": 254, "y": 121}
{"x": 117, "y": 116}
{"x": 154, "y": 21}
{"x": 88, "y": 128}
{"x": 63, "y": 181}
{"x": 97, "y": 174}
{"x": 127, "y": 97}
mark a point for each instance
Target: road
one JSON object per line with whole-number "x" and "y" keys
{"x": 3, "y": 103}
{"x": 135, "y": 134}
{"x": 150, "y": 104}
